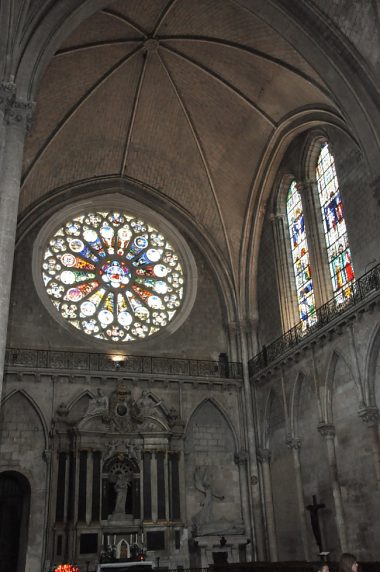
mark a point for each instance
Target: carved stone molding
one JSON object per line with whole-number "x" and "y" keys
{"x": 293, "y": 442}
{"x": 369, "y": 415}
{"x": 327, "y": 430}
{"x": 264, "y": 455}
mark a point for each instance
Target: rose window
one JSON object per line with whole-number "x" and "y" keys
{"x": 113, "y": 276}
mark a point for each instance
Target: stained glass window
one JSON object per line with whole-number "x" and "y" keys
{"x": 300, "y": 257}
{"x": 113, "y": 276}
{"x": 338, "y": 249}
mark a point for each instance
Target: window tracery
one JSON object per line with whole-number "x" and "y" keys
{"x": 113, "y": 276}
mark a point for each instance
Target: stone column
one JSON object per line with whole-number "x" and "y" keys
{"x": 14, "y": 118}
{"x": 153, "y": 480}
{"x": 285, "y": 279}
{"x": 264, "y": 457}
{"x": 241, "y": 460}
{"x": 370, "y": 416}
{"x": 328, "y": 433}
{"x": 318, "y": 257}
{"x": 295, "y": 444}
{"x": 167, "y": 489}
{"x": 254, "y": 490}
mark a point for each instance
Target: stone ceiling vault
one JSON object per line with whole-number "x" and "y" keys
{"x": 182, "y": 96}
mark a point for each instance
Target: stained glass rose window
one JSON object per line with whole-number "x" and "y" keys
{"x": 113, "y": 276}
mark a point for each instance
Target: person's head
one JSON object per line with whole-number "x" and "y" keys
{"x": 348, "y": 563}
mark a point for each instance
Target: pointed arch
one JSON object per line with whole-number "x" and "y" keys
{"x": 370, "y": 367}
{"x": 327, "y": 398}
{"x": 34, "y": 406}
{"x": 76, "y": 398}
{"x": 295, "y": 401}
{"x": 272, "y": 397}
{"x": 221, "y": 410}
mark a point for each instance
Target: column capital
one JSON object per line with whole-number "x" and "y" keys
{"x": 305, "y": 186}
{"x": 241, "y": 457}
{"x": 327, "y": 430}
{"x": 15, "y": 110}
{"x": 264, "y": 455}
{"x": 369, "y": 415}
{"x": 242, "y": 326}
{"x": 278, "y": 217}
{"x": 293, "y": 442}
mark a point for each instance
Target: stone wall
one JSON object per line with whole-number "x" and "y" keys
{"x": 315, "y": 399}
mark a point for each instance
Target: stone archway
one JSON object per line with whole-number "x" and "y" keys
{"x": 14, "y": 520}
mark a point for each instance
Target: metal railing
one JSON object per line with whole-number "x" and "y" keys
{"x": 360, "y": 289}
{"x": 100, "y": 362}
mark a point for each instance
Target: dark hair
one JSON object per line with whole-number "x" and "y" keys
{"x": 346, "y": 562}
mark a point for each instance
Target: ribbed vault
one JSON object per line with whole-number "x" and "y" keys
{"x": 183, "y": 96}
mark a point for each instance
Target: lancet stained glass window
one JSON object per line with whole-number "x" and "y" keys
{"x": 338, "y": 249}
{"x": 113, "y": 276}
{"x": 300, "y": 256}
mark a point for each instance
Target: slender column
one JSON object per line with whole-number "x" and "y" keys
{"x": 14, "y": 118}
{"x": 289, "y": 314}
{"x": 264, "y": 457}
{"x": 328, "y": 433}
{"x": 295, "y": 444}
{"x": 256, "y": 517}
{"x": 153, "y": 485}
{"x": 167, "y": 490}
{"x": 370, "y": 416}
{"x": 90, "y": 478}
{"x": 241, "y": 460}
{"x": 318, "y": 257}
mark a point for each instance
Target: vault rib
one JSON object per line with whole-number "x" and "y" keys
{"x": 126, "y": 20}
{"x": 223, "y": 82}
{"x": 136, "y": 102}
{"x": 76, "y": 107}
{"x": 250, "y": 51}
{"x": 94, "y": 45}
{"x": 201, "y": 152}
{"x": 163, "y": 15}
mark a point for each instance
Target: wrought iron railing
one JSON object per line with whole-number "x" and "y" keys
{"x": 100, "y": 362}
{"x": 360, "y": 289}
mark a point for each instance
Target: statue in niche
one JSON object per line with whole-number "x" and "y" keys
{"x": 202, "y": 484}
{"x": 121, "y": 488}
{"x": 97, "y": 405}
{"x": 121, "y": 477}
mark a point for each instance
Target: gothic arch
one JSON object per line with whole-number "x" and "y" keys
{"x": 76, "y": 398}
{"x": 34, "y": 406}
{"x": 223, "y": 413}
{"x": 267, "y": 427}
{"x": 48, "y": 205}
{"x": 371, "y": 360}
{"x": 263, "y": 186}
{"x": 327, "y": 398}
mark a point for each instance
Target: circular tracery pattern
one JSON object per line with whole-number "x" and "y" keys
{"x": 113, "y": 276}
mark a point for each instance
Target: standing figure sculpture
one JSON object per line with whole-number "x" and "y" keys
{"x": 202, "y": 484}
{"x": 121, "y": 484}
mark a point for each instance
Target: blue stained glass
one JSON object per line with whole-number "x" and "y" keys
{"x": 300, "y": 257}
{"x": 338, "y": 249}
{"x": 108, "y": 273}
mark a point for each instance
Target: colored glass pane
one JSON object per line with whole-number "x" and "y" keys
{"x": 113, "y": 276}
{"x": 300, "y": 257}
{"x": 338, "y": 249}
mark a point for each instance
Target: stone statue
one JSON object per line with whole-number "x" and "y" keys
{"x": 97, "y": 405}
{"x": 145, "y": 404}
{"x": 121, "y": 485}
{"x": 202, "y": 484}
